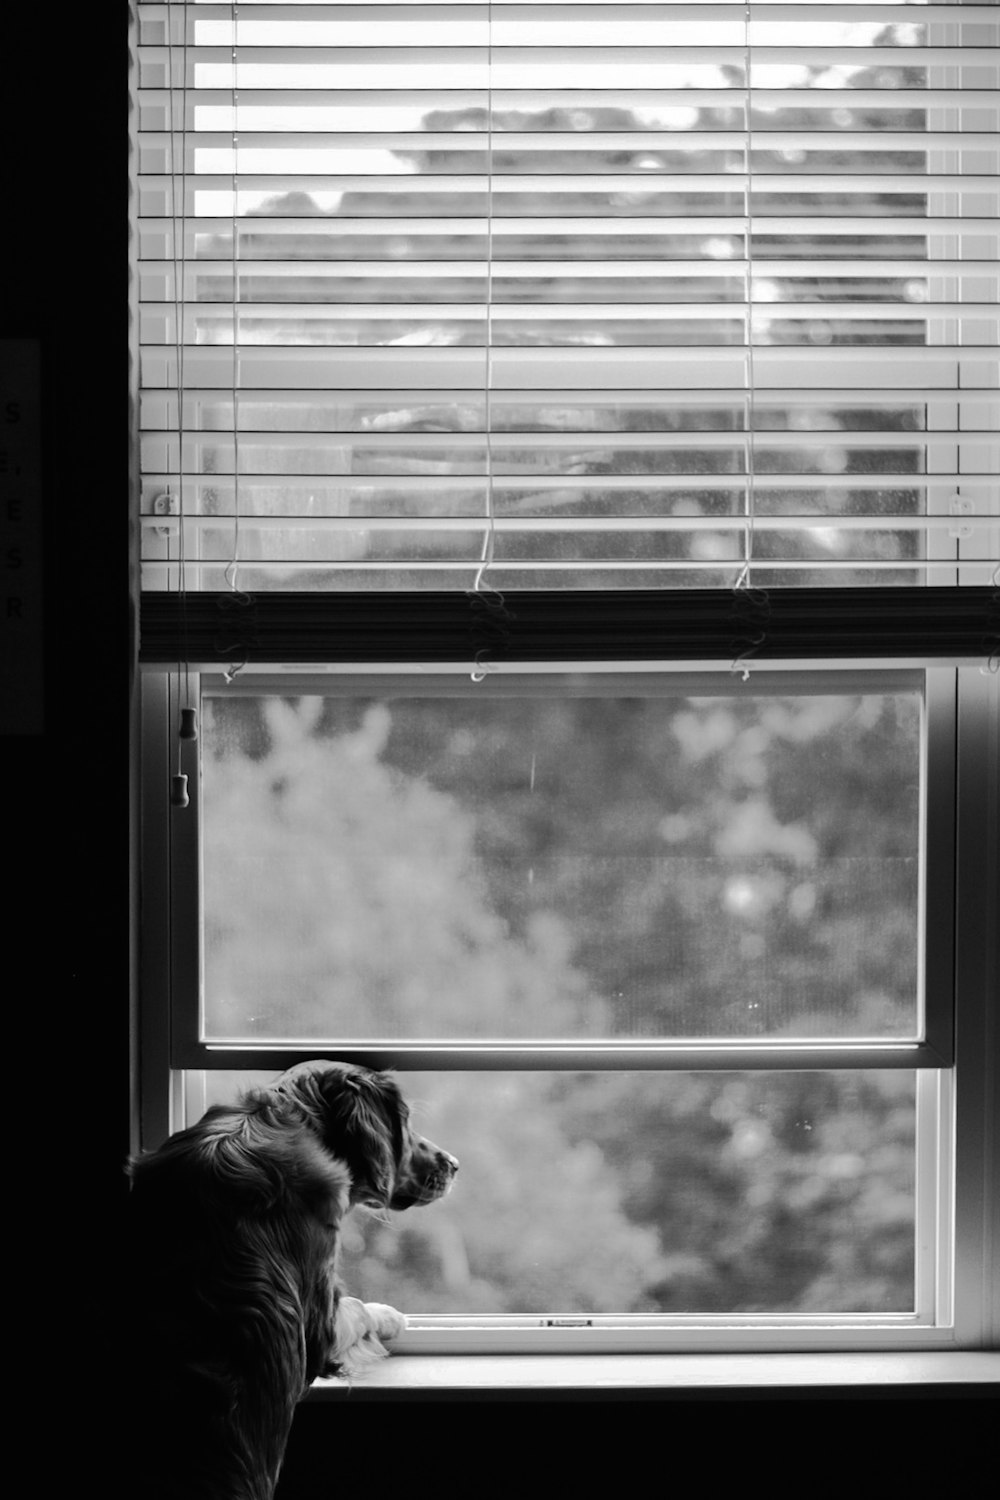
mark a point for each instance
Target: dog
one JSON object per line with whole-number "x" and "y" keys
{"x": 235, "y": 1305}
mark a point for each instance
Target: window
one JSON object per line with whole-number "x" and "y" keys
{"x": 671, "y": 955}
{"x": 569, "y": 503}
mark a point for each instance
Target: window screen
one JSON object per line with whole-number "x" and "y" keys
{"x": 577, "y": 864}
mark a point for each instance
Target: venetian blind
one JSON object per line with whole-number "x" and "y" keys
{"x": 569, "y": 296}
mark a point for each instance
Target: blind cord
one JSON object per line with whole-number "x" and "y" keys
{"x": 488, "y": 541}
{"x": 743, "y": 578}
{"x": 232, "y": 568}
{"x": 237, "y": 596}
{"x": 751, "y": 607}
{"x": 188, "y": 726}
{"x": 234, "y": 563}
{"x": 490, "y": 616}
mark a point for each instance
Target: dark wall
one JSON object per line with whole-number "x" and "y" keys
{"x": 66, "y": 826}
{"x": 716, "y": 1445}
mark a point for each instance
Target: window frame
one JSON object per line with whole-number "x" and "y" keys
{"x": 973, "y": 1117}
{"x": 957, "y": 1089}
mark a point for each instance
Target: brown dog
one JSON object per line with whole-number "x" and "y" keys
{"x": 235, "y": 1302}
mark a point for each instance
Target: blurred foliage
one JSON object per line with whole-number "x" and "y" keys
{"x": 564, "y": 866}
{"x": 345, "y": 899}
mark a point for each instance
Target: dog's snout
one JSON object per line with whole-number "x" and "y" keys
{"x": 448, "y": 1161}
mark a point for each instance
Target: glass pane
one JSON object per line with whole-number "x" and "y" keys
{"x": 701, "y": 1193}
{"x": 483, "y": 866}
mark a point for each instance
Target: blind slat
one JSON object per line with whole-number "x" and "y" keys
{"x": 456, "y": 182}
{"x": 420, "y": 493}
{"x": 911, "y": 444}
{"x": 582, "y": 139}
{"x": 945, "y": 367}
{"x": 423, "y": 525}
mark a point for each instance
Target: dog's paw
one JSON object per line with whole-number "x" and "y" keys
{"x": 361, "y": 1329}
{"x": 387, "y": 1322}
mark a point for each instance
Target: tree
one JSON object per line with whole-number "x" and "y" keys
{"x": 346, "y": 899}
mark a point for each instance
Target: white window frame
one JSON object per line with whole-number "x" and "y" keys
{"x": 958, "y": 1115}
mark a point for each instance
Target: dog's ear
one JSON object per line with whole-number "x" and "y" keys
{"x": 361, "y": 1125}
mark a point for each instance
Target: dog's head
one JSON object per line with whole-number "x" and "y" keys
{"x": 362, "y": 1119}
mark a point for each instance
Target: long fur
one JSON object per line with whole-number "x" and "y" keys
{"x": 235, "y": 1304}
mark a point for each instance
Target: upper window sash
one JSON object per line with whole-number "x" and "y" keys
{"x": 175, "y": 959}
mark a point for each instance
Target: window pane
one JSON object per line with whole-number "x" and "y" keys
{"x": 651, "y": 1193}
{"x": 477, "y": 866}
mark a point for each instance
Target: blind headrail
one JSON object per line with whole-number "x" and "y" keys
{"x": 933, "y": 622}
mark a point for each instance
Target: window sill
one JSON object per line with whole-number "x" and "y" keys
{"x": 964, "y": 1374}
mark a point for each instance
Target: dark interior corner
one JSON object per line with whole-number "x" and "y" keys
{"x": 66, "y": 821}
